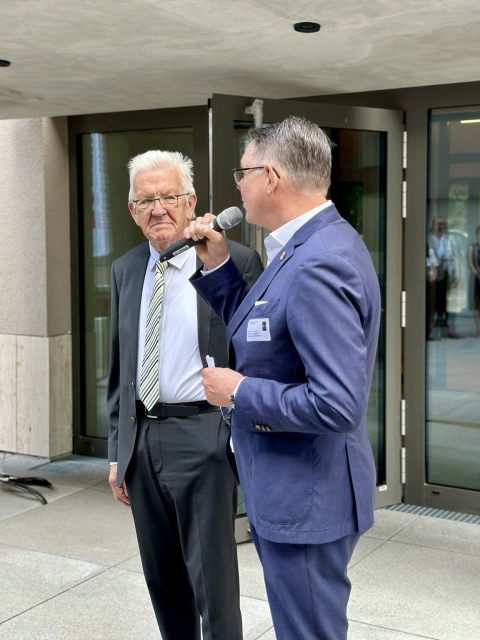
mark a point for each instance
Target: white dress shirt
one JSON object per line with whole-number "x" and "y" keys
{"x": 179, "y": 363}
{"x": 279, "y": 238}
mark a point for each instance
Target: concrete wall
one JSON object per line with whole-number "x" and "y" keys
{"x": 35, "y": 297}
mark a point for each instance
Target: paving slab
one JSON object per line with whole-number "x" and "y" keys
{"x": 102, "y": 486}
{"x": 418, "y": 590}
{"x": 88, "y": 525}
{"x": 77, "y": 471}
{"x": 269, "y": 635}
{"x": 364, "y": 548}
{"x": 256, "y": 617}
{"x": 251, "y": 573}
{"x": 389, "y": 523}
{"x": 133, "y": 564}
{"x": 114, "y": 604}
{"x": 437, "y": 533}
{"x": 359, "y": 631}
{"x": 29, "y": 578}
{"x": 14, "y": 501}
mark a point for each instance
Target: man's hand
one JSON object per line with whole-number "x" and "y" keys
{"x": 212, "y": 252}
{"x": 119, "y": 493}
{"x": 219, "y": 384}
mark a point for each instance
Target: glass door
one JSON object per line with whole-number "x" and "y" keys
{"x": 453, "y": 309}
{"x": 101, "y": 147}
{"x": 366, "y": 189}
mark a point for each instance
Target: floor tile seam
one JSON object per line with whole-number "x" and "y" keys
{"x": 370, "y": 553}
{"x": 59, "y": 555}
{"x": 377, "y": 626}
{"x": 59, "y": 499}
{"x": 116, "y": 566}
{"x": 424, "y": 546}
{"x": 254, "y": 598}
{"x": 265, "y": 633}
{"x": 69, "y": 495}
{"x": 60, "y": 593}
{"x": 403, "y": 528}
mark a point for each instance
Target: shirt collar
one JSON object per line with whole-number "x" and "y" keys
{"x": 278, "y": 238}
{"x": 177, "y": 261}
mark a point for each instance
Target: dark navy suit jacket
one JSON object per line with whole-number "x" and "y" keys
{"x": 300, "y": 421}
{"x": 128, "y": 274}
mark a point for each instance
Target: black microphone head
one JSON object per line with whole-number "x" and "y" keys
{"x": 229, "y": 218}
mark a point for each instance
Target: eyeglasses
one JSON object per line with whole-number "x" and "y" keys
{"x": 147, "y": 205}
{"x": 239, "y": 174}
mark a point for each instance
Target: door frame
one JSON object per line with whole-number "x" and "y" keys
{"x": 196, "y": 117}
{"x": 227, "y": 109}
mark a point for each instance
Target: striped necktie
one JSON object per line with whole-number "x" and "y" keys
{"x": 149, "y": 382}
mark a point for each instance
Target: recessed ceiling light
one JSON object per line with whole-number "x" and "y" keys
{"x": 306, "y": 27}
{"x": 4, "y": 63}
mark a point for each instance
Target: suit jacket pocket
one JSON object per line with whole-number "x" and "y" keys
{"x": 282, "y": 470}
{"x": 261, "y": 310}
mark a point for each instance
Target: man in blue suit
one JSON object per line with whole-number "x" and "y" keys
{"x": 302, "y": 346}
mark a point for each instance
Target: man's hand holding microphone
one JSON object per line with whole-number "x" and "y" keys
{"x": 218, "y": 383}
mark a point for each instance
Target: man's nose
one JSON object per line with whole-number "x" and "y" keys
{"x": 158, "y": 208}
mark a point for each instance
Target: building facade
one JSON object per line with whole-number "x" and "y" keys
{"x": 406, "y": 175}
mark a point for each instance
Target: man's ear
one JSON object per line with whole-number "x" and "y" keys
{"x": 133, "y": 211}
{"x": 271, "y": 178}
{"x": 192, "y": 201}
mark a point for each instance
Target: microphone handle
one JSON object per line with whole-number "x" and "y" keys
{"x": 184, "y": 244}
{"x": 179, "y": 247}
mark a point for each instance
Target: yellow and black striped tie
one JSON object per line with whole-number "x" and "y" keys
{"x": 149, "y": 383}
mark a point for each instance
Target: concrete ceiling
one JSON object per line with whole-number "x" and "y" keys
{"x": 88, "y": 56}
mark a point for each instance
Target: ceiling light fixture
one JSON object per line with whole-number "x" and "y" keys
{"x": 4, "y": 63}
{"x": 469, "y": 121}
{"x": 306, "y": 27}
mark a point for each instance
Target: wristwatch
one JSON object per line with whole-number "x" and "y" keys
{"x": 231, "y": 400}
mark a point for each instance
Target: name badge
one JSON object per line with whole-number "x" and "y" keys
{"x": 258, "y": 330}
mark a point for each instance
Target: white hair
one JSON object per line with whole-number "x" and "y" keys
{"x": 160, "y": 160}
{"x": 299, "y": 150}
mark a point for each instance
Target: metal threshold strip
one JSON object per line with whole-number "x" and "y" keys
{"x": 435, "y": 513}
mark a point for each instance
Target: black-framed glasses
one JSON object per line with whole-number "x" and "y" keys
{"x": 239, "y": 174}
{"x": 147, "y": 205}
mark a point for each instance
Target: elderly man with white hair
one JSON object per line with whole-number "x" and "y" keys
{"x": 166, "y": 442}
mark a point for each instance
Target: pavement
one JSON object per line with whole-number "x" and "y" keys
{"x": 71, "y": 570}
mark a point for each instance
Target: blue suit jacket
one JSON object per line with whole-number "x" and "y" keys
{"x": 300, "y": 421}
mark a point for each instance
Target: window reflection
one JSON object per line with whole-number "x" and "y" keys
{"x": 108, "y": 233}
{"x": 453, "y": 299}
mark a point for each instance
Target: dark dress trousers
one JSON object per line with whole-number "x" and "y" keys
{"x": 181, "y": 488}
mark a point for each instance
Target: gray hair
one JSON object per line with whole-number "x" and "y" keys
{"x": 161, "y": 160}
{"x": 299, "y": 150}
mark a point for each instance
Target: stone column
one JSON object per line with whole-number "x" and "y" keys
{"x": 35, "y": 298}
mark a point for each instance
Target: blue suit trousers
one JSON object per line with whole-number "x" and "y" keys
{"x": 307, "y": 587}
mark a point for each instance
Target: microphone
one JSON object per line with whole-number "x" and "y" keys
{"x": 226, "y": 220}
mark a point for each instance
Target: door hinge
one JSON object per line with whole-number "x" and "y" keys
{"x": 402, "y": 417}
{"x": 404, "y": 151}
{"x": 404, "y": 199}
{"x": 403, "y": 466}
{"x": 403, "y": 310}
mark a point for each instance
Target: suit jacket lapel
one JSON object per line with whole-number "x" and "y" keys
{"x": 321, "y": 219}
{"x": 203, "y": 317}
{"x": 136, "y": 283}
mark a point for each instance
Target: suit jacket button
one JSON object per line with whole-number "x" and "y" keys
{"x": 133, "y": 384}
{"x": 267, "y": 429}
{"x": 133, "y": 418}
{"x": 257, "y": 426}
